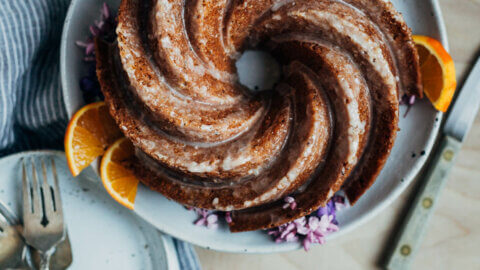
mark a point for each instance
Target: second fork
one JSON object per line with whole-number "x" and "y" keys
{"x": 42, "y": 210}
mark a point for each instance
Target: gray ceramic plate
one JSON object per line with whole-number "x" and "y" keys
{"x": 103, "y": 234}
{"x": 414, "y": 142}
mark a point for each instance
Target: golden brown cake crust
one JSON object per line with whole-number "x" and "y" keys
{"x": 203, "y": 140}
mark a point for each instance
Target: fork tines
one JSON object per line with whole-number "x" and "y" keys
{"x": 42, "y": 208}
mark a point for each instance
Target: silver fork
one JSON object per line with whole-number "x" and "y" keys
{"x": 42, "y": 212}
{"x": 12, "y": 247}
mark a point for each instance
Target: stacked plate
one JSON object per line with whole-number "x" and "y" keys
{"x": 103, "y": 234}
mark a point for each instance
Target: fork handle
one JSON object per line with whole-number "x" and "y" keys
{"x": 45, "y": 259}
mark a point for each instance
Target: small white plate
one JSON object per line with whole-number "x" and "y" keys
{"x": 414, "y": 142}
{"x": 103, "y": 234}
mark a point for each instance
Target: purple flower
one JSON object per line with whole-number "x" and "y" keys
{"x": 94, "y": 30}
{"x": 311, "y": 229}
{"x": 206, "y": 218}
{"x": 87, "y": 84}
{"x": 409, "y": 101}
{"x": 301, "y": 225}
{"x": 228, "y": 217}
{"x": 105, "y": 11}
{"x": 89, "y": 59}
{"x": 289, "y": 203}
{"x": 308, "y": 230}
{"x": 322, "y": 211}
{"x": 90, "y": 49}
{"x": 102, "y": 28}
{"x": 82, "y": 44}
{"x": 339, "y": 203}
{"x": 318, "y": 229}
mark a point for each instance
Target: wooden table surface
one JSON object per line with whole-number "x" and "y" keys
{"x": 453, "y": 238}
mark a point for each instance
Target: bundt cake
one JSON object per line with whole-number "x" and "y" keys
{"x": 204, "y": 140}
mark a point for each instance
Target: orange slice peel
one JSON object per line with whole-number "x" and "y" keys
{"x": 90, "y": 131}
{"x": 119, "y": 182}
{"x": 438, "y": 72}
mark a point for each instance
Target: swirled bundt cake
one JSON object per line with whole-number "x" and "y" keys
{"x": 204, "y": 140}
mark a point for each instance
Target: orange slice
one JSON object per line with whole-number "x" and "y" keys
{"x": 90, "y": 131}
{"x": 120, "y": 182}
{"x": 438, "y": 72}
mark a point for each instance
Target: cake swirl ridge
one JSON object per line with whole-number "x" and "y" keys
{"x": 206, "y": 141}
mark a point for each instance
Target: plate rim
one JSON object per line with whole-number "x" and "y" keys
{"x": 374, "y": 211}
{"x": 163, "y": 239}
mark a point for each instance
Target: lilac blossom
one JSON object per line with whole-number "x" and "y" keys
{"x": 228, "y": 217}
{"x": 308, "y": 230}
{"x": 311, "y": 229}
{"x": 289, "y": 203}
{"x": 408, "y": 101}
{"x": 206, "y": 218}
{"x": 103, "y": 28}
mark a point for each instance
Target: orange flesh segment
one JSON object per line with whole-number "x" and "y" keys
{"x": 119, "y": 182}
{"x": 438, "y": 72}
{"x": 90, "y": 131}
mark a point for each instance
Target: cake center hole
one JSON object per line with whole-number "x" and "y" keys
{"x": 258, "y": 70}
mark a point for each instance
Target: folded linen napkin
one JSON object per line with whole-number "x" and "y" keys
{"x": 32, "y": 113}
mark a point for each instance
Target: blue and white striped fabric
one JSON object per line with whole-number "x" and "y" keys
{"x": 32, "y": 114}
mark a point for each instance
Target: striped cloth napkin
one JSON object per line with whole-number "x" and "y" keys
{"x": 32, "y": 114}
